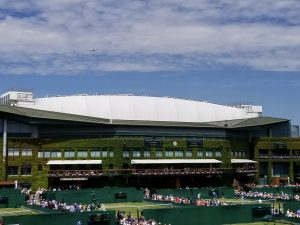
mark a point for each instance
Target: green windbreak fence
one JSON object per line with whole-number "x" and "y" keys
{"x": 13, "y": 196}
{"x": 59, "y": 218}
{"x": 103, "y": 195}
{"x": 291, "y": 205}
{"x": 213, "y": 215}
{"x": 195, "y": 192}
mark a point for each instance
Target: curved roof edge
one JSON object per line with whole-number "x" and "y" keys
{"x": 141, "y": 108}
{"x": 37, "y": 115}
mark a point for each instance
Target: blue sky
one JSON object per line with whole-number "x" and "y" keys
{"x": 219, "y": 51}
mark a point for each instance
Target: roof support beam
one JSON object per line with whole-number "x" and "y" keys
{"x": 4, "y": 150}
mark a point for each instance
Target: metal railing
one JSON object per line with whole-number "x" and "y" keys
{"x": 185, "y": 171}
{"x": 75, "y": 173}
{"x": 148, "y": 172}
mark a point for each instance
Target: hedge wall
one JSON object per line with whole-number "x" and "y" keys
{"x": 39, "y": 178}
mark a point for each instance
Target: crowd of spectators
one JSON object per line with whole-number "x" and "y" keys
{"x": 75, "y": 173}
{"x": 123, "y": 219}
{"x": 265, "y": 195}
{"x": 213, "y": 201}
{"x": 172, "y": 171}
{"x": 291, "y": 213}
{"x": 35, "y": 198}
{"x": 170, "y": 199}
{"x": 249, "y": 169}
{"x": 62, "y": 206}
{"x": 63, "y": 188}
{"x": 253, "y": 185}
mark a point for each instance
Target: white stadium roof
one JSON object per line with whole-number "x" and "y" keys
{"x": 139, "y": 108}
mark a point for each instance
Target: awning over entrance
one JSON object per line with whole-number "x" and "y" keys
{"x": 242, "y": 161}
{"x": 74, "y": 162}
{"x": 174, "y": 161}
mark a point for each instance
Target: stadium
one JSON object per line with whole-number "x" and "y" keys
{"x": 119, "y": 145}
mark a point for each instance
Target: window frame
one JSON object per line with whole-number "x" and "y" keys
{"x": 82, "y": 154}
{"x": 26, "y": 152}
{"x": 26, "y": 169}
{"x": 14, "y": 151}
{"x": 13, "y": 167}
{"x": 69, "y": 155}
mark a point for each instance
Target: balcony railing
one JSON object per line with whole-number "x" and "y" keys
{"x": 75, "y": 173}
{"x": 278, "y": 156}
{"x": 148, "y": 172}
{"x": 185, "y": 171}
{"x": 246, "y": 170}
{"x": 263, "y": 156}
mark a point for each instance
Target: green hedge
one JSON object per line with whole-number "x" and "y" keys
{"x": 118, "y": 144}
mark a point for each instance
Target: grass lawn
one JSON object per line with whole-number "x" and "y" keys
{"x": 18, "y": 211}
{"x": 134, "y": 207}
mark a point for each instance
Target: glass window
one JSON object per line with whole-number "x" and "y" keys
{"x": 218, "y": 153}
{"x": 178, "y": 153}
{"x": 208, "y": 153}
{"x": 47, "y": 154}
{"x": 136, "y": 153}
{"x": 111, "y": 153}
{"x": 236, "y": 154}
{"x": 147, "y": 154}
{"x": 104, "y": 153}
{"x": 69, "y": 154}
{"x": 244, "y": 154}
{"x": 13, "y": 152}
{"x": 40, "y": 154}
{"x": 169, "y": 153}
{"x": 125, "y": 154}
{"x": 189, "y": 153}
{"x": 26, "y": 170}
{"x": 199, "y": 153}
{"x": 82, "y": 154}
{"x": 95, "y": 153}
{"x": 158, "y": 153}
{"x": 26, "y": 152}
{"x": 55, "y": 154}
{"x": 12, "y": 170}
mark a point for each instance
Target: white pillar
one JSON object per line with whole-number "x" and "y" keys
{"x": 4, "y": 138}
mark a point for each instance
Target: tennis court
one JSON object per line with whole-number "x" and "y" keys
{"x": 18, "y": 211}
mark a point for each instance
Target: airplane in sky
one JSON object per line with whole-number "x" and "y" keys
{"x": 94, "y": 49}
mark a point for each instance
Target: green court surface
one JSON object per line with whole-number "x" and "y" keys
{"x": 18, "y": 211}
{"x": 135, "y": 207}
{"x": 261, "y": 223}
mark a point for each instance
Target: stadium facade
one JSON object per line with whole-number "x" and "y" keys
{"x": 125, "y": 140}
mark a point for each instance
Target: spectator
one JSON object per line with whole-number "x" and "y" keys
{"x": 1, "y": 221}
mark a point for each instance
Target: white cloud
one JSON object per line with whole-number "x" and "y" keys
{"x": 54, "y": 37}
